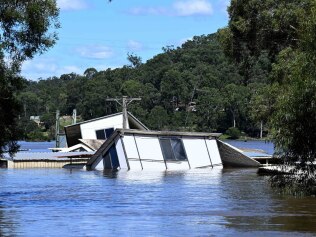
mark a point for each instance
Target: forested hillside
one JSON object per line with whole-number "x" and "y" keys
{"x": 193, "y": 87}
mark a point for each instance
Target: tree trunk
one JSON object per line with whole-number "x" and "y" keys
{"x": 234, "y": 121}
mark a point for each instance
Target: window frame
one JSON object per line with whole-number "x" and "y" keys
{"x": 175, "y": 155}
{"x": 104, "y": 133}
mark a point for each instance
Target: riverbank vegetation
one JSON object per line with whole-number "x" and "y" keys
{"x": 194, "y": 87}
{"x": 286, "y": 32}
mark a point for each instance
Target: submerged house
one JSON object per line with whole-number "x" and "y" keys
{"x": 164, "y": 150}
{"x": 100, "y": 128}
{"x": 136, "y": 147}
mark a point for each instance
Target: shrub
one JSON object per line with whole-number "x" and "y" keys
{"x": 233, "y": 133}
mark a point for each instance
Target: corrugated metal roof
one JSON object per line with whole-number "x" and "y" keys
{"x": 44, "y": 155}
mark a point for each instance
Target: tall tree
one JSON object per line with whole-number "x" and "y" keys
{"x": 25, "y": 29}
{"x": 260, "y": 27}
{"x": 285, "y": 31}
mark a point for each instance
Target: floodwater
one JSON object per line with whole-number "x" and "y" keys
{"x": 200, "y": 202}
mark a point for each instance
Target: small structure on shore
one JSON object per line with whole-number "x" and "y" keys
{"x": 23, "y": 160}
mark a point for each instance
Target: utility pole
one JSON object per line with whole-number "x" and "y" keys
{"x": 57, "y": 129}
{"x": 74, "y": 116}
{"x": 124, "y": 102}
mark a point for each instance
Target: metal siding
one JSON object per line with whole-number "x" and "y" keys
{"x": 134, "y": 164}
{"x": 214, "y": 152}
{"x": 149, "y": 148}
{"x": 130, "y": 147}
{"x": 197, "y": 152}
{"x": 182, "y": 165}
{"x": 132, "y": 153}
{"x": 121, "y": 155}
{"x": 154, "y": 165}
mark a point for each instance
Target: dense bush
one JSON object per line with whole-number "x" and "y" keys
{"x": 233, "y": 133}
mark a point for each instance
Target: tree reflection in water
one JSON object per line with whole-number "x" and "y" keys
{"x": 256, "y": 207}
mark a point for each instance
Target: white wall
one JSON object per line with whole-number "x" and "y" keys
{"x": 88, "y": 129}
{"x": 131, "y": 152}
{"x": 98, "y": 164}
{"x": 181, "y": 165}
{"x": 121, "y": 154}
{"x": 214, "y": 152}
{"x": 196, "y": 152}
{"x": 150, "y": 153}
{"x": 144, "y": 152}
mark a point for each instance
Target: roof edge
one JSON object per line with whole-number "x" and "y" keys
{"x": 95, "y": 119}
{"x": 168, "y": 133}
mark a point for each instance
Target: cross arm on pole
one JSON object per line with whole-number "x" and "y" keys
{"x": 133, "y": 99}
{"x": 113, "y": 99}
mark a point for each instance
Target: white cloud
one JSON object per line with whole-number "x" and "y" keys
{"x": 179, "y": 8}
{"x": 95, "y": 52}
{"x": 193, "y": 7}
{"x": 148, "y": 11}
{"x": 133, "y": 45}
{"x": 69, "y": 5}
{"x": 44, "y": 67}
{"x": 40, "y": 65}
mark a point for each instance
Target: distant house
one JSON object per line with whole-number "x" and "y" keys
{"x": 36, "y": 119}
{"x": 100, "y": 128}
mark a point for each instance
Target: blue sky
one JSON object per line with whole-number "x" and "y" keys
{"x": 95, "y": 33}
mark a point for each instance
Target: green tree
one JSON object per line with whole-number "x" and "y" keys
{"x": 132, "y": 88}
{"x": 257, "y": 27}
{"x": 261, "y": 105}
{"x": 158, "y": 117}
{"x": 209, "y": 109}
{"x": 135, "y": 60}
{"x": 25, "y": 30}
{"x": 236, "y": 100}
{"x": 90, "y": 72}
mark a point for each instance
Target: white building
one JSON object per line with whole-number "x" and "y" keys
{"x": 137, "y": 148}
{"x": 100, "y": 128}
{"x": 163, "y": 150}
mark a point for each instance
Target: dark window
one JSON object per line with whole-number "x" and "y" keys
{"x": 100, "y": 134}
{"x": 104, "y": 133}
{"x": 178, "y": 149}
{"x": 172, "y": 149}
{"x": 114, "y": 158}
{"x": 108, "y": 132}
{"x": 167, "y": 149}
{"x": 107, "y": 161}
{"x": 110, "y": 160}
